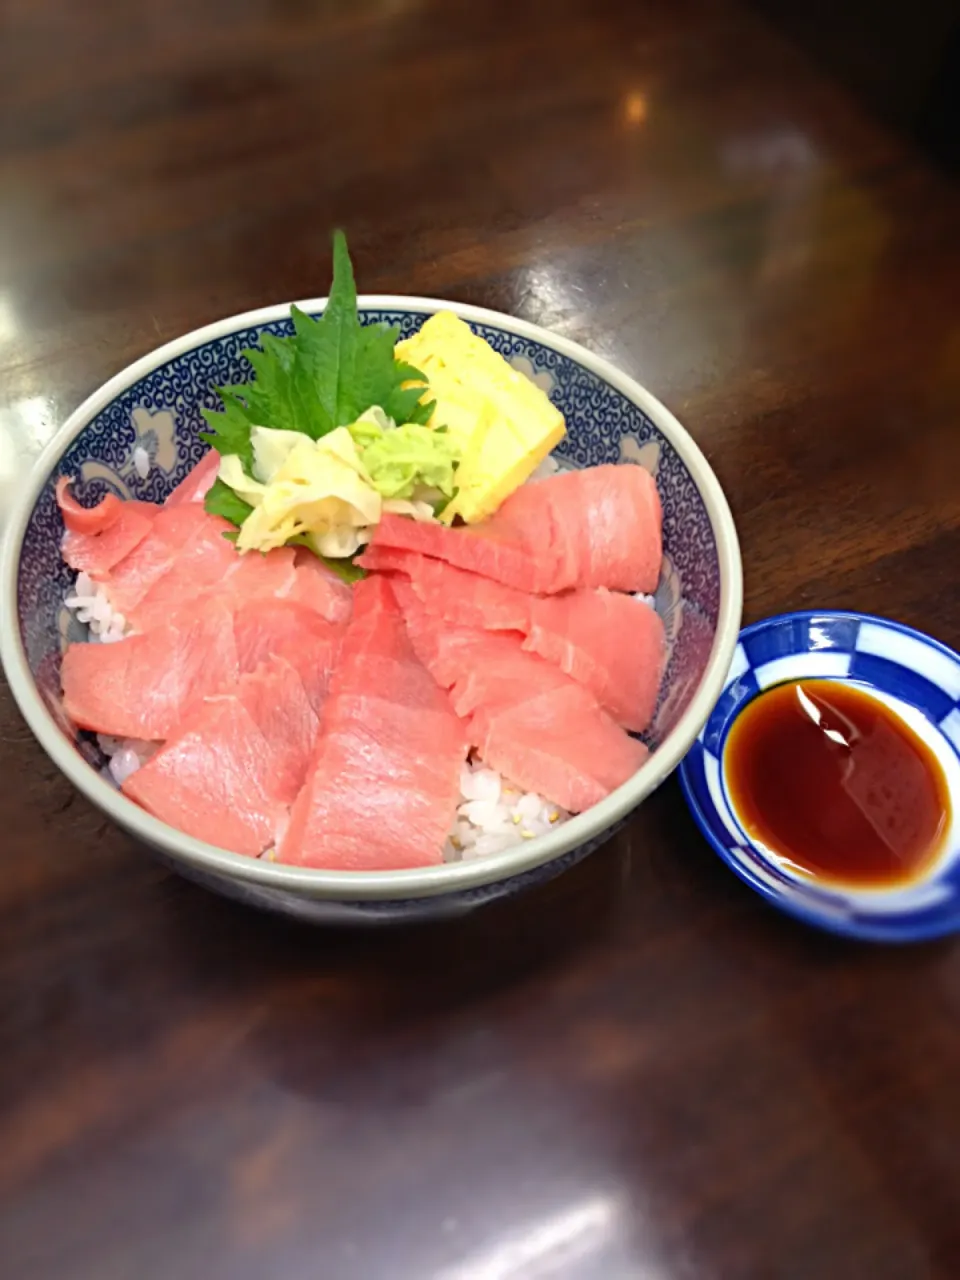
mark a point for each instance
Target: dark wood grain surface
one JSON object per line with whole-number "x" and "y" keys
{"x": 640, "y": 1070}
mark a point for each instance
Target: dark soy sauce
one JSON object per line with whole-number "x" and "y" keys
{"x": 835, "y": 782}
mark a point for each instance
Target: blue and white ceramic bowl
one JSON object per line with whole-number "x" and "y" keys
{"x": 155, "y": 405}
{"x": 916, "y": 677}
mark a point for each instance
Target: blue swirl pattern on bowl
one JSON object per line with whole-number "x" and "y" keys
{"x": 885, "y": 657}
{"x": 160, "y": 413}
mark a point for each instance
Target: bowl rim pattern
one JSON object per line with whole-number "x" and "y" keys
{"x": 422, "y": 882}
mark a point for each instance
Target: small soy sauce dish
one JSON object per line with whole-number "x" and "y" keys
{"x": 828, "y": 774}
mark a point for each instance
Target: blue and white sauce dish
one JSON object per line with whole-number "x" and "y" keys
{"x": 918, "y": 680}
{"x": 153, "y": 408}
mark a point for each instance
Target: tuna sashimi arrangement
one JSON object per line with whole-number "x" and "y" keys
{"x": 375, "y": 627}
{"x": 327, "y": 725}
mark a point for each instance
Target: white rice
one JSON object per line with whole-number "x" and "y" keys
{"x": 124, "y": 756}
{"x": 105, "y": 625}
{"x": 548, "y": 467}
{"x": 90, "y": 605}
{"x": 141, "y": 462}
{"x": 493, "y": 813}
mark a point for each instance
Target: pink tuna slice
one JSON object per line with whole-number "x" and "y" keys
{"x": 198, "y": 482}
{"x": 256, "y": 576}
{"x": 189, "y": 558}
{"x": 320, "y": 588}
{"x": 279, "y": 574}
{"x": 611, "y": 643}
{"x": 144, "y": 686}
{"x": 474, "y": 665}
{"x": 233, "y": 768}
{"x": 559, "y": 745}
{"x": 200, "y": 566}
{"x": 457, "y": 595}
{"x": 99, "y": 537}
{"x": 384, "y": 787}
{"x": 599, "y": 527}
{"x": 526, "y": 717}
{"x": 268, "y": 628}
{"x": 129, "y": 581}
{"x": 80, "y": 519}
{"x": 208, "y": 564}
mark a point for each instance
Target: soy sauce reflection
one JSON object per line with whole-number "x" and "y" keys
{"x": 835, "y": 782}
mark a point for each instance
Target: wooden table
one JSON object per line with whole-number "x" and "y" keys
{"x": 641, "y": 1070}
